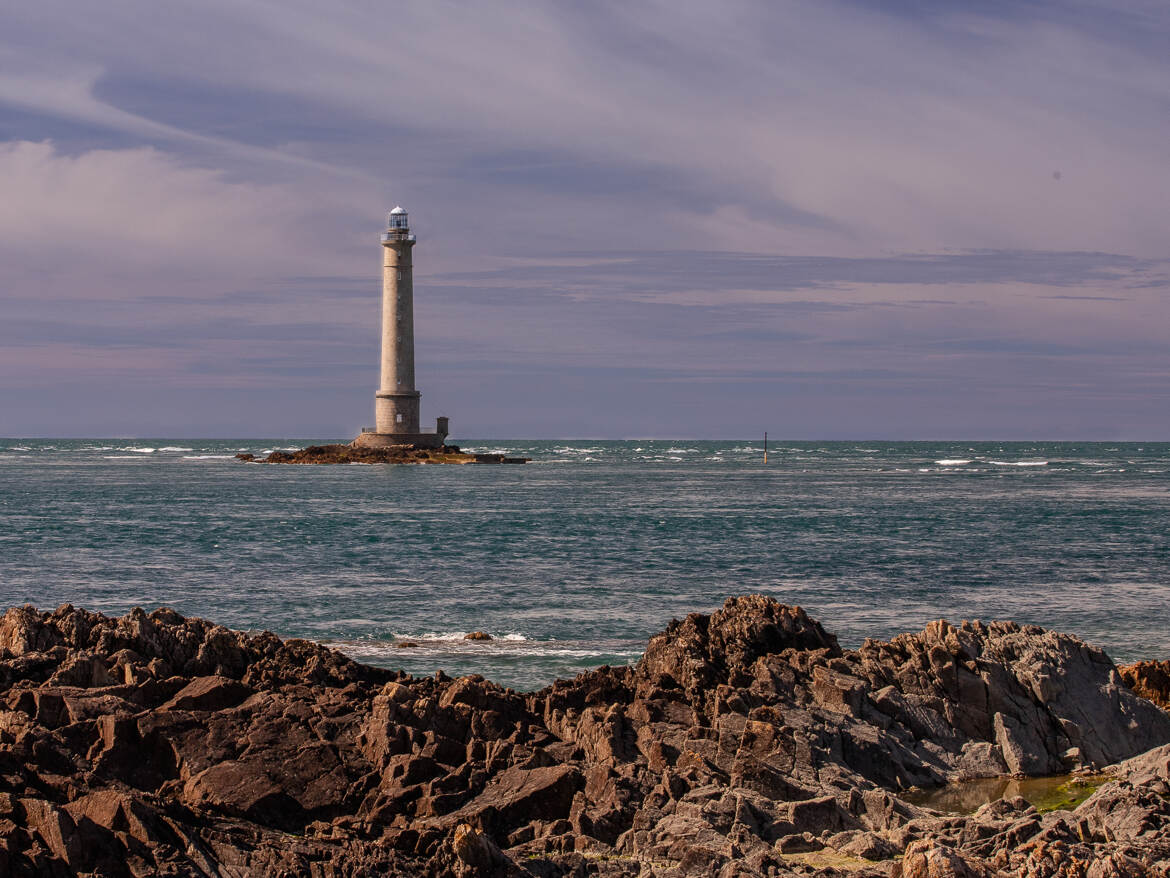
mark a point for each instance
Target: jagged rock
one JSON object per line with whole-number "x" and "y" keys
{"x": 156, "y": 744}
{"x": 1149, "y": 680}
{"x": 931, "y": 859}
{"x": 208, "y": 693}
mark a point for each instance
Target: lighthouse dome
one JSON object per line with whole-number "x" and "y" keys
{"x": 397, "y": 219}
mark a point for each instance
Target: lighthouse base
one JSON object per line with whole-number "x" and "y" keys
{"x": 386, "y": 440}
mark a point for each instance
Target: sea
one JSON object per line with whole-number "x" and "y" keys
{"x": 575, "y": 559}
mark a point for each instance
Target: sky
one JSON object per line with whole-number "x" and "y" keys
{"x": 830, "y": 219}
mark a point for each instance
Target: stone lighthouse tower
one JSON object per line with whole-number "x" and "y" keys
{"x": 396, "y": 402}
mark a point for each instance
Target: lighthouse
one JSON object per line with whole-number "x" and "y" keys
{"x": 396, "y": 401}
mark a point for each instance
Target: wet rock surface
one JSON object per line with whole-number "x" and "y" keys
{"x": 744, "y": 743}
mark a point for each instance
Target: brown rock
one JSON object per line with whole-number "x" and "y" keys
{"x": 516, "y": 795}
{"x": 209, "y": 693}
{"x": 1150, "y": 680}
{"x": 739, "y": 739}
{"x": 930, "y": 859}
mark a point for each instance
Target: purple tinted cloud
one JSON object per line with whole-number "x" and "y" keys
{"x": 631, "y": 213}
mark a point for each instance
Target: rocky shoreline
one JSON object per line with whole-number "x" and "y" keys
{"x": 334, "y": 454}
{"x": 744, "y": 743}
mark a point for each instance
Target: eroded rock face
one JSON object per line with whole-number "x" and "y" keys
{"x": 743, "y": 743}
{"x": 1150, "y": 680}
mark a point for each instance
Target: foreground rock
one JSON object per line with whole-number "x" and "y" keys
{"x": 744, "y": 743}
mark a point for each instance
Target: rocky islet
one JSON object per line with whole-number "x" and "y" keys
{"x": 354, "y": 453}
{"x": 743, "y": 743}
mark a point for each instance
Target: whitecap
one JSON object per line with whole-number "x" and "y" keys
{"x": 175, "y": 448}
{"x": 138, "y": 450}
{"x": 1018, "y": 462}
{"x": 209, "y": 457}
{"x": 952, "y": 462}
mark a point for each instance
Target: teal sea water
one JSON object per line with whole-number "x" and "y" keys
{"x": 574, "y": 560}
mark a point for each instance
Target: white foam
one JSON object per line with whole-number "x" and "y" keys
{"x": 209, "y": 457}
{"x": 138, "y": 450}
{"x": 437, "y": 637}
{"x": 952, "y": 462}
{"x": 1018, "y": 462}
{"x": 444, "y": 650}
{"x": 175, "y": 448}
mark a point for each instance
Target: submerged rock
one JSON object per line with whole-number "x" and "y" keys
{"x": 744, "y": 743}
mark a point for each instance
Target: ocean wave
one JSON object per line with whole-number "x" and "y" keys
{"x": 175, "y": 448}
{"x": 208, "y": 456}
{"x": 390, "y": 652}
{"x": 458, "y": 637}
{"x": 953, "y": 462}
{"x": 137, "y": 449}
{"x": 1018, "y": 462}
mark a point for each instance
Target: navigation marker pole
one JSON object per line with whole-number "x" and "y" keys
{"x": 765, "y": 446}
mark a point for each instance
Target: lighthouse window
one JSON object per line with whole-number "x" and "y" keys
{"x": 398, "y": 418}
{"x": 400, "y": 274}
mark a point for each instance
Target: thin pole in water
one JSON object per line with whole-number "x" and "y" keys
{"x": 765, "y": 446}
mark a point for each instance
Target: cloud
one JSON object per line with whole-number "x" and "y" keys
{"x": 143, "y": 212}
{"x": 768, "y": 201}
